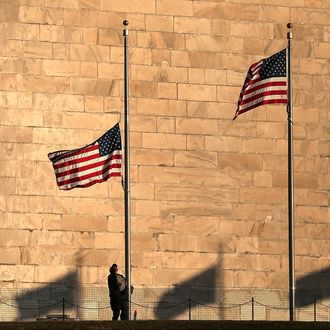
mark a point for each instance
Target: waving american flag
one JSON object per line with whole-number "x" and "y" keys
{"x": 265, "y": 83}
{"x": 91, "y": 164}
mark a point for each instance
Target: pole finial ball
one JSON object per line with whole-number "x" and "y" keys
{"x": 125, "y": 22}
{"x": 289, "y": 25}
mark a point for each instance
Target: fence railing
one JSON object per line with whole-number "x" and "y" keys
{"x": 190, "y": 309}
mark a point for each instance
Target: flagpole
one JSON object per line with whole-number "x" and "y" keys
{"x": 290, "y": 182}
{"x": 127, "y": 187}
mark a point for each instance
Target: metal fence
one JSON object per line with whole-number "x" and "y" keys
{"x": 191, "y": 309}
{"x": 30, "y": 305}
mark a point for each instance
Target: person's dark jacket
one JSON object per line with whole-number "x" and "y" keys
{"x": 117, "y": 285}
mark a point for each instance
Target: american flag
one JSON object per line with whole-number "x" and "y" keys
{"x": 91, "y": 164}
{"x": 265, "y": 83}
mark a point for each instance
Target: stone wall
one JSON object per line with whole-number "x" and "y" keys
{"x": 209, "y": 194}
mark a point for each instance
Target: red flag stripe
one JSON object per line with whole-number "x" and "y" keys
{"x": 60, "y": 155}
{"x": 263, "y": 85}
{"x": 263, "y": 94}
{"x": 87, "y": 167}
{"x": 72, "y": 162}
{"x": 90, "y": 183}
{"x": 87, "y": 161}
{"x": 90, "y": 175}
{"x": 264, "y": 102}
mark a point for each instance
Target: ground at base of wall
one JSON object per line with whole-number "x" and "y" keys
{"x": 159, "y": 325}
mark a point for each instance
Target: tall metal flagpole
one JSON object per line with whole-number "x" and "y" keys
{"x": 290, "y": 182}
{"x": 127, "y": 187}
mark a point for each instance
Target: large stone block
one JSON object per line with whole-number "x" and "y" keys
{"x": 164, "y": 277}
{"x": 226, "y": 10}
{"x": 88, "y": 86}
{"x": 60, "y": 68}
{"x": 152, "y": 157}
{"x": 144, "y": 89}
{"x": 147, "y": 208}
{"x": 159, "y": 23}
{"x": 167, "y": 90}
{"x": 10, "y": 256}
{"x": 251, "y": 279}
{"x": 196, "y": 92}
{"x": 144, "y": 191}
{"x": 261, "y": 195}
{"x": 89, "y": 52}
{"x": 253, "y": 29}
{"x": 88, "y": 69}
{"x": 196, "y": 159}
{"x": 195, "y": 193}
{"x": 109, "y": 240}
{"x": 222, "y": 144}
{"x": 61, "y": 51}
{"x": 11, "y": 238}
{"x": 163, "y": 141}
{"x": 74, "y": 17}
{"x": 88, "y": 275}
{"x": 92, "y": 257}
{"x": 29, "y": 14}
{"x": 216, "y": 243}
{"x": 213, "y": 43}
{"x": 161, "y": 107}
{"x": 46, "y": 274}
{"x": 61, "y": 102}
{"x": 162, "y": 40}
{"x": 45, "y": 84}
{"x": 192, "y": 25}
{"x": 14, "y": 272}
{"x": 241, "y": 161}
{"x": 130, "y": 6}
{"x": 142, "y": 276}
{"x": 161, "y": 55}
{"x": 196, "y": 126}
{"x": 174, "y": 7}
{"x": 195, "y": 142}
{"x": 84, "y": 223}
{"x": 36, "y": 49}
{"x": 165, "y": 124}
{"x": 144, "y": 241}
{"x": 176, "y": 208}
{"x": 170, "y": 242}
{"x": 54, "y": 33}
{"x": 195, "y": 260}
{"x": 8, "y": 81}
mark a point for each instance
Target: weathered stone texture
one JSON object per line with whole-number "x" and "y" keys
{"x": 206, "y": 191}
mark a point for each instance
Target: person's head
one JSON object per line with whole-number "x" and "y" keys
{"x": 113, "y": 269}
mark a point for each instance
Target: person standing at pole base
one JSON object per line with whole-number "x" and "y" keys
{"x": 118, "y": 293}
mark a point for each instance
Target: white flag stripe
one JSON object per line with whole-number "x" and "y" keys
{"x": 94, "y": 178}
{"x": 256, "y": 68}
{"x": 88, "y": 171}
{"x": 84, "y": 163}
{"x": 262, "y": 90}
{"x": 71, "y": 154}
{"x": 263, "y": 98}
{"x": 264, "y": 81}
{"x": 79, "y": 156}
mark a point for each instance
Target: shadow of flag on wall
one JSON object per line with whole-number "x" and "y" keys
{"x": 313, "y": 286}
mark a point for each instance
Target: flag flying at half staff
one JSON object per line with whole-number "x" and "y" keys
{"x": 91, "y": 164}
{"x": 265, "y": 83}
